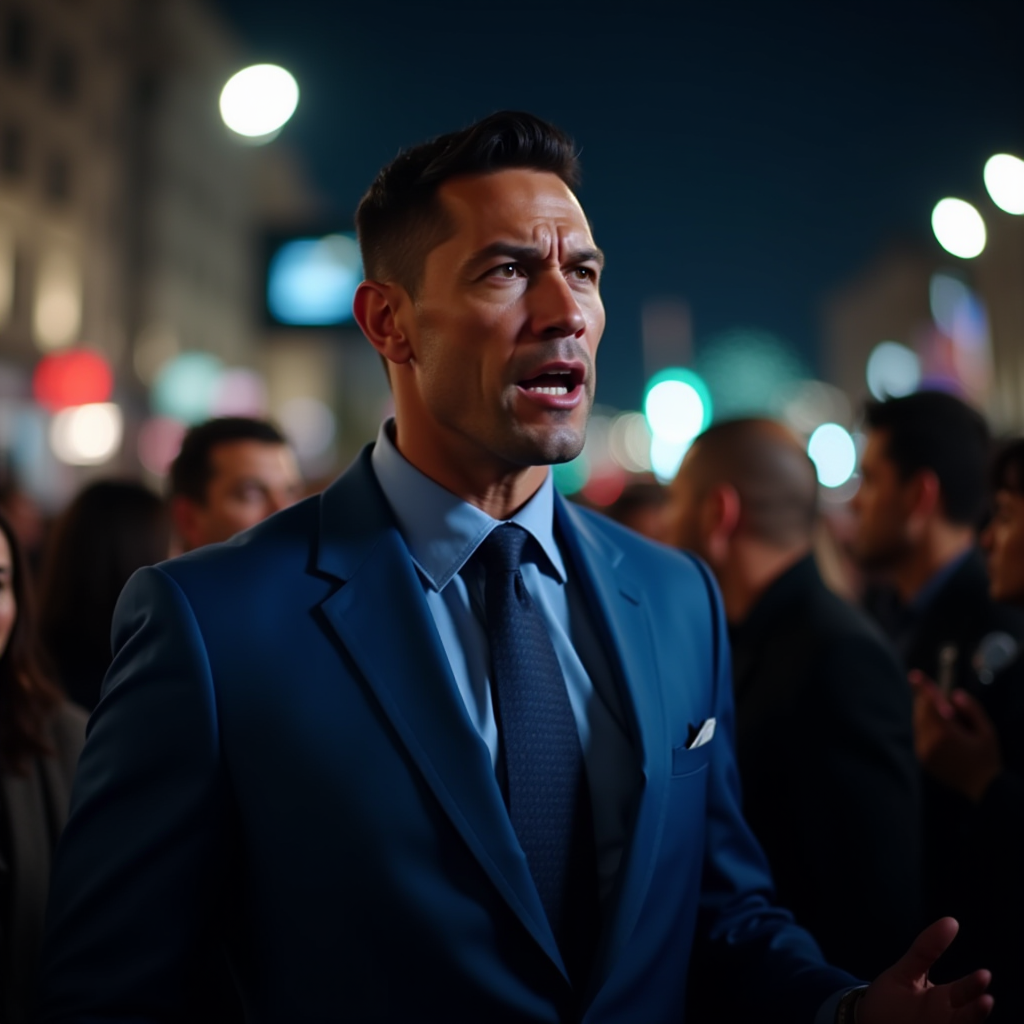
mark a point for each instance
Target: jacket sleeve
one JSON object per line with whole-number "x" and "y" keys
{"x": 139, "y": 869}
{"x": 751, "y": 961}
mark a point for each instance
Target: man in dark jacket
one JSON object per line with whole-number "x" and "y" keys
{"x": 823, "y": 729}
{"x": 922, "y": 495}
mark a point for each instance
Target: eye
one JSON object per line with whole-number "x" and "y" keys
{"x": 584, "y": 273}
{"x": 507, "y": 271}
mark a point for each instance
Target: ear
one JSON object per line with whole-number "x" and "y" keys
{"x": 722, "y": 509}
{"x": 924, "y": 495}
{"x": 376, "y": 307}
{"x": 185, "y": 515}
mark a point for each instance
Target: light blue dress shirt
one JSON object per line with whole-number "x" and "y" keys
{"x": 442, "y": 533}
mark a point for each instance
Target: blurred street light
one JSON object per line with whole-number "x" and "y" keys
{"x": 959, "y": 228}
{"x": 258, "y": 101}
{"x": 1004, "y": 179}
{"x": 893, "y": 371}
{"x": 833, "y": 453}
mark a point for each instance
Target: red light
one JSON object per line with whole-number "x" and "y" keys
{"x": 605, "y": 489}
{"x": 78, "y": 377}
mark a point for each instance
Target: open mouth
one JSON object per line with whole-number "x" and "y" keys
{"x": 553, "y": 382}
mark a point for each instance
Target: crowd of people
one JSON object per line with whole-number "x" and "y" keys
{"x": 273, "y": 784}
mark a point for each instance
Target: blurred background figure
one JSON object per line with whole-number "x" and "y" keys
{"x": 231, "y": 473}
{"x": 641, "y": 507}
{"x": 25, "y": 520}
{"x": 41, "y": 736}
{"x": 923, "y": 494}
{"x": 975, "y": 751}
{"x": 110, "y": 529}
{"x": 823, "y": 711}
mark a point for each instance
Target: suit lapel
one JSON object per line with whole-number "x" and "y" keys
{"x": 380, "y": 616}
{"x": 617, "y": 606}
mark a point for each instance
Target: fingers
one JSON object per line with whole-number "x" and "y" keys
{"x": 971, "y": 712}
{"x": 964, "y": 990}
{"x": 919, "y": 681}
{"x": 975, "y": 1012}
{"x": 926, "y": 949}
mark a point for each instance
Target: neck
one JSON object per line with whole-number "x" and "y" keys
{"x": 752, "y": 568}
{"x": 496, "y": 488}
{"x": 941, "y": 545}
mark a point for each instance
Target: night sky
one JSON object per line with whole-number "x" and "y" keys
{"x": 744, "y": 158}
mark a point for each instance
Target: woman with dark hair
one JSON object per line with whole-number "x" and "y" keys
{"x": 111, "y": 529}
{"x": 975, "y": 747}
{"x": 41, "y": 736}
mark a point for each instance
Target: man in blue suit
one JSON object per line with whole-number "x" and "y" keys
{"x": 435, "y": 746}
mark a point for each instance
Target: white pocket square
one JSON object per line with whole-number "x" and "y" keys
{"x": 704, "y": 734}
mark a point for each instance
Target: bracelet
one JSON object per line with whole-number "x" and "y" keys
{"x": 846, "y": 1011}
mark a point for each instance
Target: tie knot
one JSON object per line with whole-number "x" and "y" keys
{"x": 502, "y": 549}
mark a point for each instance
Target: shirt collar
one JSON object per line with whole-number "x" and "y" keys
{"x": 440, "y": 529}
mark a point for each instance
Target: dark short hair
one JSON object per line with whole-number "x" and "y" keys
{"x": 936, "y": 431}
{"x": 400, "y": 219}
{"x": 192, "y": 470}
{"x": 1008, "y": 468}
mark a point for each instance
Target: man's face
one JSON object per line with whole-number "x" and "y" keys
{"x": 250, "y": 480}
{"x": 1003, "y": 541}
{"x": 507, "y": 321}
{"x": 882, "y": 507}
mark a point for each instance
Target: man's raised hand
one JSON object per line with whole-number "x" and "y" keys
{"x": 904, "y": 995}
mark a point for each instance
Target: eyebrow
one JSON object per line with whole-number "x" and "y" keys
{"x": 530, "y": 253}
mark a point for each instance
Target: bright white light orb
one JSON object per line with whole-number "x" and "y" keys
{"x": 675, "y": 411}
{"x": 1004, "y": 179}
{"x": 959, "y": 228}
{"x": 893, "y": 371}
{"x": 629, "y": 442}
{"x": 833, "y": 453}
{"x": 87, "y": 435}
{"x": 258, "y": 100}
{"x": 667, "y": 457}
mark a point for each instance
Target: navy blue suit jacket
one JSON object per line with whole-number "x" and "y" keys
{"x": 282, "y": 767}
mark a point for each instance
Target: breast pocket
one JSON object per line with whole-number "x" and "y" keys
{"x": 689, "y": 760}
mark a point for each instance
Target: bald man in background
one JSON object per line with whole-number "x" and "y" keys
{"x": 823, "y": 712}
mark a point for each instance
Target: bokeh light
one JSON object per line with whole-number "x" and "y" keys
{"x": 310, "y": 426}
{"x": 667, "y": 456}
{"x": 959, "y": 228}
{"x": 834, "y": 454}
{"x": 186, "y": 388}
{"x": 78, "y": 377}
{"x": 57, "y": 310}
{"x": 239, "y": 392}
{"x": 677, "y": 405}
{"x": 893, "y": 370}
{"x": 159, "y": 442}
{"x": 1004, "y": 179}
{"x": 749, "y": 373}
{"x": 87, "y": 435}
{"x": 258, "y": 100}
{"x": 312, "y": 281}
{"x": 629, "y": 442}
{"x": 571, "y": 477}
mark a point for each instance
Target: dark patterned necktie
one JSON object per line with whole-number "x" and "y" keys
{"x": 544, "y": 773}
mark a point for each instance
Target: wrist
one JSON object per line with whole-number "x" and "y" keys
{"x": 847, "y": 1011}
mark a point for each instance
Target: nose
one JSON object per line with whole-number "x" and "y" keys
{"x": 554, "y": 311}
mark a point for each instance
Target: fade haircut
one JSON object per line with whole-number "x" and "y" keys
{"x": 935, "y": 431}
{"x": 192, "y": 470}
{"x": 1008, "y": 468}
{"x": 400, "y": 219}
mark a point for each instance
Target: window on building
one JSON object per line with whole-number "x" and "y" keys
{"x": 17, "y": 40}
{"x": 57, "y": 179}
{"x": 13, "y": 151}
{"x": 63, "y": 75}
